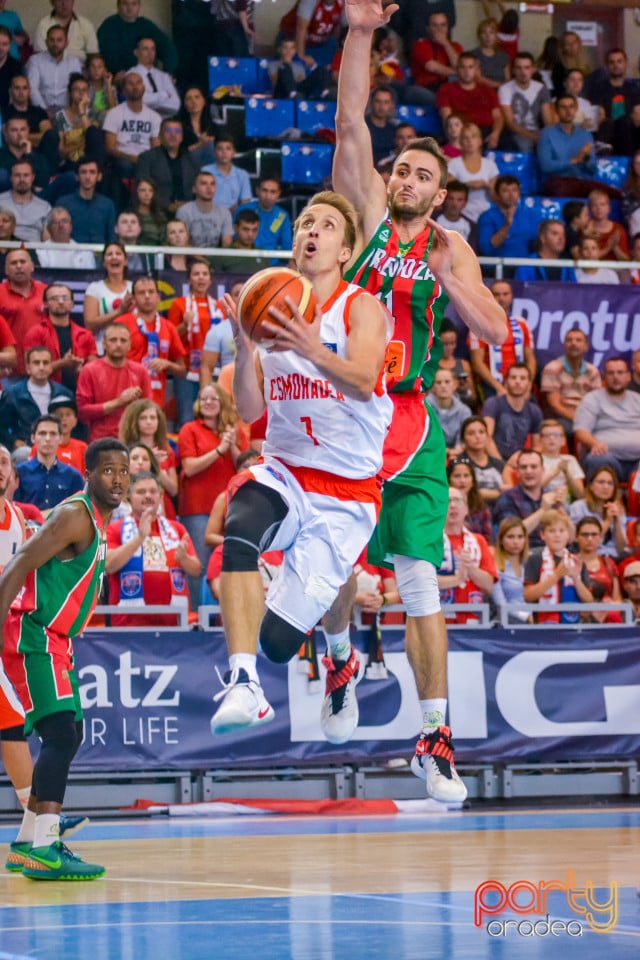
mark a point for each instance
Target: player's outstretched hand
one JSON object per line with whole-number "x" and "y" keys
{"x": 369, "y": 14}
{"x": 294, "y": 333}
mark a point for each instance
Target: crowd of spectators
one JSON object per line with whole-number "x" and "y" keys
{"x": 110, "y": 137}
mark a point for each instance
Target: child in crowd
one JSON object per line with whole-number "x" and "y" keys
{"x": 561, "y": 470}
{"x": 554, "y": 575}
{"x": 589, "y": 250}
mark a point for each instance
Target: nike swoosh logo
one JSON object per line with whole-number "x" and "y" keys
{"x": 263, "y": 713}
{"x": 52, "y": 864}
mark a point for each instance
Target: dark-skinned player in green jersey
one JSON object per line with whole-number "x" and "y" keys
{"x": 48, "y": 591}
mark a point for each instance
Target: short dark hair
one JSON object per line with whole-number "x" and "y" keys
{"x": 46, "y": 418}
{"x": 429, "y": 145}
{"x": 524, "y": 55}
{"x": 5, "y": 32}
{"x": 23, "y": 162}
{"x": 505, "y": 179}
{"x": 98, "y": 447}
{"x": 586, "y": 521}
{"x": 528, "y": 450}
{"x": 39, "y": 349}
{"x": 76, "y": 78}
{"x": 143, "y": 279}
{"x": 248, "y": 215}
{"x": 566, "y": 96}
{"x": 85, "y": 161}
{"x": 457, "y": 186}
{"x": 167, "y": 120}
{"x": 572, "y": 209}
{"x": 52, "y": 285}
{"x": 519, "y": 365}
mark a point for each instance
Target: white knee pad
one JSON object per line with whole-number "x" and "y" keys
{"x": 417, "y": 582}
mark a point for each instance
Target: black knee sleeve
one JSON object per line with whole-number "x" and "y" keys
{"x": 279, "y": 640}
{"x": 253, "y": 518}
{"x": 13, "y": 734}
{"x": 61, "y": 736}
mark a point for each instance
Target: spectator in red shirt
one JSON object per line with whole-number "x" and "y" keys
{"x": 468, "y": 571}
{"x": 108, "y": 385}
{"x": 21, "y": 299}
{"x": 208, "y": 447}
{"x": 492, "y": 364}
{"x": 434, "y": 58}
{"x": 192, "y": 315}
{"x": 155, "y": 342}
{"x": 472, "y": 100}
{"x": 71, "y": 346}
{"x": 149, "y": 557}
{"x": 8, "y": 351}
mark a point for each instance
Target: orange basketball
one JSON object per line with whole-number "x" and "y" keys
{"x": 268, "y": 288}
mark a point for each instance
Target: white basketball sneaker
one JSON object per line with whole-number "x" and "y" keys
{"x": 339, "y": 714}
{"x": 243, "y": 704}
{"x": 433, "y": 762}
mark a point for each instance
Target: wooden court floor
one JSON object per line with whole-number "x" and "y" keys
{"x": 362, "y": 888}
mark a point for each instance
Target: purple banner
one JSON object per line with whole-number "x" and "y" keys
{"x": 521, "y": 695}
{"x": 609, "y": 315}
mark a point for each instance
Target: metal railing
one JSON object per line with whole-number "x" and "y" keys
{"x": 518, "y": 615}
{"x": 133, "y": 609}
{"x": 221, "y": 252}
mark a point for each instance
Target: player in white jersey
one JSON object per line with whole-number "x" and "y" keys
{"x": 316, "y": 494}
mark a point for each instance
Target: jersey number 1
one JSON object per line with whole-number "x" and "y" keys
{"x": 308, "y": 428}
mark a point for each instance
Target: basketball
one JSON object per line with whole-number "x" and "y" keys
{"x": 269, "y": 288}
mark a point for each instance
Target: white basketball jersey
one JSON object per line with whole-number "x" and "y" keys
{"x": 310, "y": 423}
{"x": 12, "y": 534}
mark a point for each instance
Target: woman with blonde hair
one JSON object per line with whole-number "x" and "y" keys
{"x": 572, "y": 57}
{"x": 478, "y": 172}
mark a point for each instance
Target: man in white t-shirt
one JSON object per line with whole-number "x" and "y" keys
{"x": 131, "y": 128}
{"x": 525, "y": 105}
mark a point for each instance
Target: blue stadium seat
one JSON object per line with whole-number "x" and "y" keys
{"x": 268, "y": 118}
{"x": 307, "y": 163}
{"x": 612, "y": 170}
{"x": 550, "y": 208}
{"x": 233, "y": 71}
{"x": 314, "y": 115}
{"x": 524, "y": 166}
{"x": 263, "y": 80}
{"x": 545, "y": 208}
{"x": 424, "y": 119}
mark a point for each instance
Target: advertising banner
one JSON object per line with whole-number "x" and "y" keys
{"x": 522, "y": 695}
